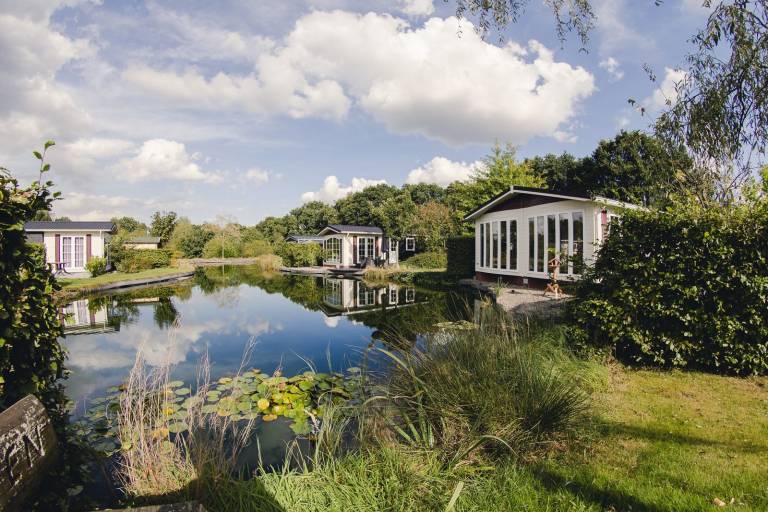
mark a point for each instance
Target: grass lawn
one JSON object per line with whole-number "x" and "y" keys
{"x": 114, "y": 277}
{"x": 662, "y": 441}
{"x": 671, "y": 441}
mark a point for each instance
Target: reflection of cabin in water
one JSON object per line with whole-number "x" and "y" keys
{"x": 79, "y": 317}
{"x": 350, "y": 296}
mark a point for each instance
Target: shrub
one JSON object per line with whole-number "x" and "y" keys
{"x": 460, "y": 253}
{"x": 269, "y": 262}
{"x": 256, "y": 248}
{"x": 192, "y": 243}
{"x": 493, "y": 386}
{"x": 136, "y": 260}
{"x": 300, "y": 255}
{"x": 218, "y": 247}
{"x": 31, "y": 358}
{"x": 427, "y": 260}
{"x": 96, "y": 266}
{"x": 684, "y": 288}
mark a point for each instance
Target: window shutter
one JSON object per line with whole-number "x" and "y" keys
{"x": 87, "y": 248}
{"x": 58, "y": 248}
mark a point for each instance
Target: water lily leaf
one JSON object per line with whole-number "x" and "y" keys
{"x": 178, "y": 427}
{"x": 223, "y": 412}
{"x": 306, "y": 385}
{"x": 225, "y": 380}
{"x": 180, "y": 415}
{"x": 269, "y": 417}
{"x": 183, "y": 391}
{"x": 175, "y": 384}
{"x": 244, "y": 406}
{"x": 209, "y": 409}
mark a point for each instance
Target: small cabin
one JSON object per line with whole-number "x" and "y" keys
{"x": 69, "y": 245}
{"x": 518, "y": 233}
{"x": 150, "y": 243}
{"x": 354, "y": 246}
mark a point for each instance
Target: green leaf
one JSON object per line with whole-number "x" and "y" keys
{"x": 49, "y": 143}
{"x": 38, "y": 155}
{"x": 178, "y": 427}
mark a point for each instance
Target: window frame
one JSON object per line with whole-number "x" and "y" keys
{"x": 410, "y": 244}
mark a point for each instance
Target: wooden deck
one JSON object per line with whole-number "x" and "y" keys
{"x": 326, "y": 271}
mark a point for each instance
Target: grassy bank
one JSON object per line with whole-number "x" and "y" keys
{"x": 502, "y": 416}
{"x": 69, "y": 284}
{"x": 659, "y": 442}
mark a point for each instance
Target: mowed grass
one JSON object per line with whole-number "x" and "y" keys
{"x": 660, "y": 441}
{"x": 671, "y": 441}
{"x": 114, "y": 277}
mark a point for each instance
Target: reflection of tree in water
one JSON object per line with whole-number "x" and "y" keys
{"x": 165, "y": 313}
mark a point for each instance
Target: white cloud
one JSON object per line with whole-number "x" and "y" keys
{"x": 417, "y": 7}
{"x": 86, "y": 206}
{"x": 422, "y": 80}
{"x": 611, "y": 66}
{"x": 161, "y": 159}
{"x": 615, "y": 32}
{"x": 442, "y": 171}
{"x": 565, "y": 136}
{"x": 331, "y": 321}
{"x": 33, "y": 106}
{"x": 257, "y": 176}
{"x": 86, "y": 155}
{"x": 333, "y": 190}
{"x": 666, "y": 91}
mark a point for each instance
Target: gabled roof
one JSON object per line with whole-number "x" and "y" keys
{"x": 345, "y": 228}
{"x": 69, "y": 226}
{"x": 568, "y": 196}
{"x": 144, "y": 240}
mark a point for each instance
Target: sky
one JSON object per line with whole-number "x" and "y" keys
{"x": 249, "y": 108}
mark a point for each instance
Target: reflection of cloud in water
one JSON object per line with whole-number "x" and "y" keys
{"x": 331, "y": 321}
{"x": 120, "y": 351}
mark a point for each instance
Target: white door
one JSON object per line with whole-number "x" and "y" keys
{"x": 73, "y": 252}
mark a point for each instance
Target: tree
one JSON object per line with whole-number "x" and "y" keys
{"x": 570, "y": 15}
{"x": 635, "y": 167}
{"x": 395, "y": 214}
{"x": 422, "y": 193}
{"x": 500, "y": 171}
{"x": 275, "y": 229}
{"x": 162, "y": 225}
{"x": 226, "y": 239}
{"x": 433, "y": 224}
{"x": 721, "y": 111}
{"x": 31, "y": 358}
{"x": 63, "y": 218}
{"x": 189, "y": 239}
{"x": 357, "y": 208}
{"x": 560, "y": 172}
{"x": 313, "y": 216}
{"x": 129, "y": 225}
{"x": 42, "y": 215}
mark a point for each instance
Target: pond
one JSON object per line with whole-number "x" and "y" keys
{"x": 290, "y": 322}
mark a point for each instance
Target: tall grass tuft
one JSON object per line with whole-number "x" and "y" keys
{"x": 484, "y": 390}
{"x": 168, "y": 450}
{"x": 268, "y": 262}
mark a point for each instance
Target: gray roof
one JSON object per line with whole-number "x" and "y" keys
{"x": 346, "y": 228}
{"x": 69, "y": 226}
{"x": 144, "y": 240}
{"x": 304, "y": 238}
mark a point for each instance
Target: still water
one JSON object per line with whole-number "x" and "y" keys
{"x": 289, "y": 320}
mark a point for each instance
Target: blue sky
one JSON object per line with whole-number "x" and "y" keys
{"x": 248, "y": 108}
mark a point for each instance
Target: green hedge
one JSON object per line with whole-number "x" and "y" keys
{"x": 136, "y": 260}
{"x": 687, "y": 288}
{"x": 300, "y": 255}
{"x": 461, "y": 255}
{"x": 430, "y": 259}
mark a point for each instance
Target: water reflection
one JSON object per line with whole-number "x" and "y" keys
{"x": 292, "y": 319}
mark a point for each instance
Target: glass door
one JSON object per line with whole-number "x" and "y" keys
{"x": 365, "y": 245}
{"x": 73, "y": 252}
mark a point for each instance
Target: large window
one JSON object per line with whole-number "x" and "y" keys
{"x": 540, "y": 263}
{"x": 531, "y": 245}
{"x": 482, "y": 245}
{"x": 495, "y": 246}
{"x": 551, "y": 238}
{"x": 565, "y": 236}
{"x": 365, "y": 296}
{"x": 410, "y": 244}
{"x": 332, "y": 247}
{"x": 578, "y": 243}
{"x": 557, "y": 236}
{"x": 513, "y": 245}
{"x": 365, "y": 246}
{"x": 504, "y": 237}
{"x": 487, "y": 244}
